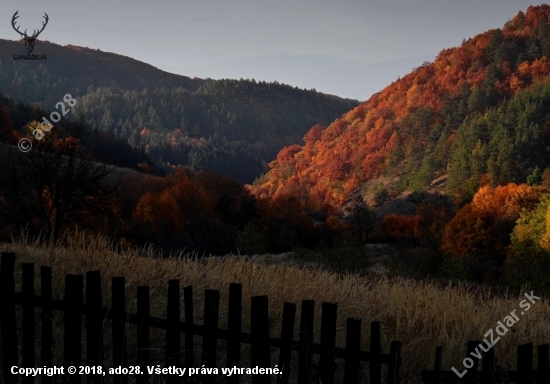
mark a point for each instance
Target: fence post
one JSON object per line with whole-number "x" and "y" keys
{"x": 72, "y": 326}
{"x": 210, "y": 328}
{"x": 287, "y": 338}
{"x": 173, "y": 334}
{"x": 327, "y": 366}
{"x": 234, "y": 323}
{"x": 118, "y": 308}
{"x": 28, "y": 336}
{"x": 376, "y": 353}
{"x": 306, "y": 340}
{"x": 353, "y": 347}
{"x": 543, "y": 366}
{"x": 489, "y": 366}
{"x": 433, "y": 376}
{"x": 525, "y": 363}
{"x": 94, "y": 323}
{"x": 189, "y": 343}
{"x": 395, "y": 363}
{"x": 471, "y": 375}
{"x": 143, "y": 314}
{"x": 46, "y": 350}
{"x": 259, "y": 330}
{"x": 7, "y": 316}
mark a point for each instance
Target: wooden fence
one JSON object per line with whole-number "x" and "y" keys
{"x": 74, "y": 308}
{"x": 489, "y": 373}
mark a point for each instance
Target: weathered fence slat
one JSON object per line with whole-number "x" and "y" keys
{"x": 287, "y": 341}
{"x": 353, "y": 347}
{"x": 437, "y": 365}
{"x": 46, "y": 349}
{"x": 7, "y": 316}
{"x": 72, "y": 326}
{"x": 94, "y": 324}
{"x": 471, "y": 376}
{"x": 209, "y": 338}
{"x": 543, "y": 363}
{"x": 327, "y": 366}
{"x": 173, "y": 335}
{"x": 189, "y": 344}
{"x": 376, "y": 353}
{"x": 305, "y": 355}
{"x": 28, "y": 336}
{"x": 259, "y": 328}
{"x": 489, "y": 365}
{"x": 143, "y": 354}
{"x": 118, "y": 309}
{"x": 395, "y": 363}
{"x": 234, "y": 324}
{"x": 525, "y": 363}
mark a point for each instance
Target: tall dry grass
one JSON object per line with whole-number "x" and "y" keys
{"x": 419, "y": 314}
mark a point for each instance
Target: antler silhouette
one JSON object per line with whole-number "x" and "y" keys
{"x": 24, "y": 34}
{"x": 15, "y": 16}
{"x": 35, "y": 34}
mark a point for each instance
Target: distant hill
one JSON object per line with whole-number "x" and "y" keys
{"x": 348, "y": 78}
{"x": 77, "y": 68}
{"x": 480, "y": 113}
{"x": 226, "y": 126}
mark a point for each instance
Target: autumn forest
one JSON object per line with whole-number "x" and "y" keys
{"x": 449, "y": 165}
{"x": 430, "y": 201}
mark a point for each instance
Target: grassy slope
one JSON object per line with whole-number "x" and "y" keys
{"x": 418, "y": 314}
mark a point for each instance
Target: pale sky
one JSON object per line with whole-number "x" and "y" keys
{"x": 180, "y": 36}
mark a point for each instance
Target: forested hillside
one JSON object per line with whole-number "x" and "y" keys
{"x": 227, "y": 126}
{"x": 17, "y": 118}
{"x": 478, "y": 114}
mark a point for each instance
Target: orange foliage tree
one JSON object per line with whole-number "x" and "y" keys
{"x": 210, "y": 212}
{"x": 401, "y": 228}
{"x": 425, "y": 227}
{"x": 160, "y": 211}
{"x": 484, "y": 225}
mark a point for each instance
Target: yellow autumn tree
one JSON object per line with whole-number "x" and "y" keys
{"x": 528, "y": 258}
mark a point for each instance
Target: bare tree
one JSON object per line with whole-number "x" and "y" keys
{"x": 54, "y": 184}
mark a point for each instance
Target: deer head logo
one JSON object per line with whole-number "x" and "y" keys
{"x": 29, "y": 40}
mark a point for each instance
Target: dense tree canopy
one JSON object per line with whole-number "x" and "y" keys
{"x": 478, "y": 111}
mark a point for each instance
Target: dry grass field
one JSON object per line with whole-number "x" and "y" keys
{"x": 419, "y": 314}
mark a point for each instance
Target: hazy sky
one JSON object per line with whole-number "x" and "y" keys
{"x": 186, "y": 33}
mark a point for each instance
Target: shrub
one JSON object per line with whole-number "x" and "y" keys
{"x": 249, "y": 241}
{"x": 454, "y": 268}
{"x": 343, "y": 257}
{"x": 416, "y": 263}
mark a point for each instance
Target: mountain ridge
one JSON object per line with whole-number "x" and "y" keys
{"x": 330, "y": 74}
{"x": 231, "y": 127}
{"x": 61, "y": 61}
